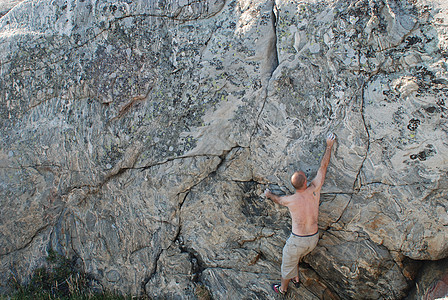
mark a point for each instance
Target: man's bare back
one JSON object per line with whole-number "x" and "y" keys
{"x": 304, "y": 210}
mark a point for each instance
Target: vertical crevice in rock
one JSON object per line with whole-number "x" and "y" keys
{"x": 197, "y": 264}
{"x": 274, "y": 50}
{"x": 151, "y": 274}
{"x": 272, "y": 63}
{"x": 357, "y": 183}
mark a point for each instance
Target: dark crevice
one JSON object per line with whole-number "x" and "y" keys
{"x": 197, "y": 263}
{"x": 274, "y": 64}
{"x": 170, "y": 159}
{"x": 274, "y": 50}
{"x": 151, "y": 274}
{"x": 224, "y": 159}
{"x": 38, "y": 231}
{"x": 8, "y": 7}
{"x": 32, "y": 167}
{"x": 357, "y": 181}
{"x": 393, "y": 185}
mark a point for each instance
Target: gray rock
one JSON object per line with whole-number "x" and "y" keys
{"x": 139, "y": 136}
{"x": 7, "y": 5}
{"x": 432, "y": 283}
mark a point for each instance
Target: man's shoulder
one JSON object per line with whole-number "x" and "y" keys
{"x": 313, "y": 190}
{"x": 311, "y": 187}
{"x": 305, "y": 194}
{"x": 314, "y": 185}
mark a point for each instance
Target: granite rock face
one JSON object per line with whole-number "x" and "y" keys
{"x": 138, "y": 136}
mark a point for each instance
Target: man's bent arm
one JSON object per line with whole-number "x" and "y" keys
{"x": 274, "y": 197}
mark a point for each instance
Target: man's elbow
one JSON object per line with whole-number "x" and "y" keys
{"x": 279, "y": 200}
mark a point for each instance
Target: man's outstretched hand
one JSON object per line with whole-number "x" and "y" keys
{"x": 330, "y": 139}
{"x": 273, "y": 197}
{"x": 267, "y": 193}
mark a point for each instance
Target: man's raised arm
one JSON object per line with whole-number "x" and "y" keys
{"x": 320, "y": 177}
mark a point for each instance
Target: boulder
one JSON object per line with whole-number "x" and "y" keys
{"x": 138, "y": 137}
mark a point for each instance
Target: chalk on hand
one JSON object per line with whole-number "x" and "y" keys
{"x": 331, "y": 136}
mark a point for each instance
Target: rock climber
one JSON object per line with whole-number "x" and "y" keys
{"x": 303, "y": 206}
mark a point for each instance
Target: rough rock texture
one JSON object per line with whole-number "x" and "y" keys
{"x": 138, "y": 136}
{"x": 432, "y": 282}
{"x": 7, "y": 5}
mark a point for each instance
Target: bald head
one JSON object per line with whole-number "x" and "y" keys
{"x": 298, "y": 180}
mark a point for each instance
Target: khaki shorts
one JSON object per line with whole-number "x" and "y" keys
{"x": 295, "y": 248}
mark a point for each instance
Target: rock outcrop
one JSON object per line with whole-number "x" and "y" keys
{"x": 137, "y": 136}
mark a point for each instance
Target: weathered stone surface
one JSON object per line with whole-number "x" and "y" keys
{"x": 139, "y": 136}
{"x": 7, "y": 5}
{"x": 432, "y": 282}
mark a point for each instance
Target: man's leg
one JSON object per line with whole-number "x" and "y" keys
{"x": 297, "y": 277}
{"x": 284, "y": 285}
{"x": 311, "y": 247}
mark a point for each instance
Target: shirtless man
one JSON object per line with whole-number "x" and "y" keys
{"x": 303, "y": 206}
